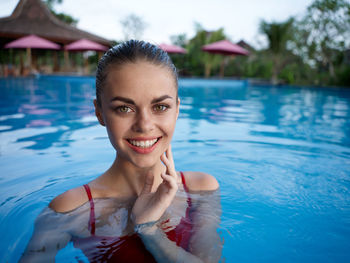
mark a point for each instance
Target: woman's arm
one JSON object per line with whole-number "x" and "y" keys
{"x": 163, "y": 249}
{"x": 48, "y": 238}
{"x": 205, "y": 244}
{"x": 150, "y": 206}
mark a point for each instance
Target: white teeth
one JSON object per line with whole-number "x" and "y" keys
{"x": 143, "y": 144}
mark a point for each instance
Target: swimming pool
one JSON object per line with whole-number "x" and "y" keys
{"x": 280, "y": 154}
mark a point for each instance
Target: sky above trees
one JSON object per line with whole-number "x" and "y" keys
{"x": 240, "y": 19}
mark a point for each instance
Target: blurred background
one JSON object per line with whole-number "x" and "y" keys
{"x": 300, "y": 42}
{"x": 264, "y": 102}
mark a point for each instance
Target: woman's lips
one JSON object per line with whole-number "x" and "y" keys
{"x": 143, "y": 145}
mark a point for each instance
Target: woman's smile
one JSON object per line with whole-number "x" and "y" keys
{"x": 143, "y": 145}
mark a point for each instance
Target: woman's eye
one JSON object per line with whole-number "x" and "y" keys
{"x": 124, "y": 109}
{"x": 160, "y": 107}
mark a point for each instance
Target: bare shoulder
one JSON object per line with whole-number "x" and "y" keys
{"x": 199, "y": 181}
{"x": 69, "y": 200}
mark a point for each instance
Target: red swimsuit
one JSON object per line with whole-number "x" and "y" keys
{"x": 129, "y": 248}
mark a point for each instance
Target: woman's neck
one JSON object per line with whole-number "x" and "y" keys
{"x": 130, "y": 179}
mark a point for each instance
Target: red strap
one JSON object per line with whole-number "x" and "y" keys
{"x": 189, "y": 202}
{"x": 92, "y": 210}
{"x": 184, "y": 181}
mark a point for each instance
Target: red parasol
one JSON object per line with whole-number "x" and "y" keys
{"x": 32, "y": 41}
{"x": 172, "y": 49}
{"x": 85, "y": 45}
{"x": 224, "y": 47}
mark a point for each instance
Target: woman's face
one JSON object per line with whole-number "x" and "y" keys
{"x": 139, "y": 109}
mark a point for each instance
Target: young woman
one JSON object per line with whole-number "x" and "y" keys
{"x": 141, "y": 209}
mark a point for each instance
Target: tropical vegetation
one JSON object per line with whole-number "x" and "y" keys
{"x": 311, "y": 49}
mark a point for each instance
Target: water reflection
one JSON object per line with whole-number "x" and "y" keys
{"x": 299, "y": 113}
{"x": 45, "y": 102}
{"x": 286, "y": 112}
{"x": 281, "y": 155}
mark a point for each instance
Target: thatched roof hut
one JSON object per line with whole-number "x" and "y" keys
{"x": 245, "y": 45}
{"x": 33, "y": 17}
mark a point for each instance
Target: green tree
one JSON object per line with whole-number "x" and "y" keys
{"x": 322, "y": 34}
{"x": 203, "y": 62}
{"x": 180, "y": 60}
{"x": 51, "y": 3}
{"x": 179, "y": 40}
{"x": 68, "y": 19}
{"x": 133, "y": 26}
{"x": 258, "y": 65}
{"x": 278, "y": 35}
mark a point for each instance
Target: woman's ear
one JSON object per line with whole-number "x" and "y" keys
{"x": 177, "y": 108}
{"x": 98, "y": 113}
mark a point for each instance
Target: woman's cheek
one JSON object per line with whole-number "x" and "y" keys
{"x": 112, "y": 138}
{"x": 170, "y": 128}
{"x": 114, "y": 132}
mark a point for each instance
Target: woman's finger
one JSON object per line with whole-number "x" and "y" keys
{"x": 169, "y": 180}
{"x": 169, "y": 154}
{"x": 170, "y": 166}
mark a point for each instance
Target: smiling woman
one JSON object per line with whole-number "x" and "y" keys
{"x": 139, "y": 109}
{"x": 141, "y": 209}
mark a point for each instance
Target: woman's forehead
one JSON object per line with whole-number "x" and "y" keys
{"x": 139, "y": 77}
{"x": 138, "y": 67}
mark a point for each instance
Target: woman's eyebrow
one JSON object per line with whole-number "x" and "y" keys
{"x": 126, "y": 100}
{"x": 156, "y": 100}
{"x": 130, "y": 101}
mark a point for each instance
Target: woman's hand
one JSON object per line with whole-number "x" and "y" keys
{"x": 151, "y": 206}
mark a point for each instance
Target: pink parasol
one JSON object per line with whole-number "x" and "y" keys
{"x": 84, "y": 45}
{"x": 225, "y": 47}
{"x": 172, "y": 49}
{"x": 32, "y": 41}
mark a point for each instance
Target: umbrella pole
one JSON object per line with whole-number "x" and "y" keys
{"x": 66, "y": 60}
{"x": 86, "y": 66}
{"x": 207, "y": 70}
{"x": 223, "y": 65}
{"x": 21, "y": 64}
{"x": 222, "y": 68}
{"x": 55, "y": 61}
{"x": 29, "y": 58}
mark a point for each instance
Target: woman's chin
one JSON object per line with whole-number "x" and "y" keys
{"x": 145, "y": 165}
{"x": 144, "y": 162}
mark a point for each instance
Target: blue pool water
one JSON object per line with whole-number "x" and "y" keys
{"x": 280, "y": 154}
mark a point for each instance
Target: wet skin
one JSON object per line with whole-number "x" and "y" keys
{"x": 139, "y": 108}
{"x": 139, "y": 102}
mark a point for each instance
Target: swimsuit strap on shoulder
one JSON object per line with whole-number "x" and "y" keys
{"x": 186, "y": 189}
{"x": 92, "y": 210}
{"x": 184, "y": 181}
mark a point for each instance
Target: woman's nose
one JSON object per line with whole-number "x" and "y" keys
{"x": 143, "y": 122}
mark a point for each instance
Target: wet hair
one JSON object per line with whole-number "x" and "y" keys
{"x": 132, "y": 51}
